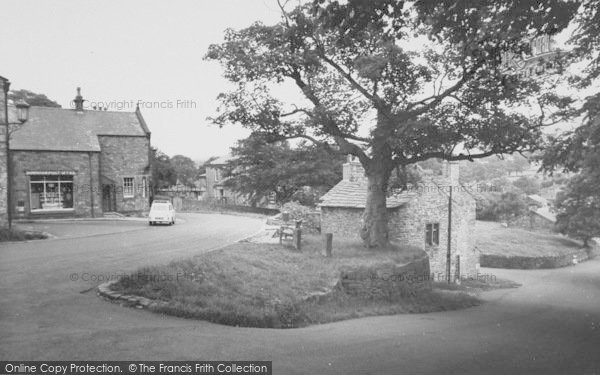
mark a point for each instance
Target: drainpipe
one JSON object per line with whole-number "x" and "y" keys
{"x": 449, "y": 251}
{"x": 91, "y": 183}
{"x": 6, "y": 87}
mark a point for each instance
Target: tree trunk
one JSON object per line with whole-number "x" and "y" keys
{"x": 374, "y": 228}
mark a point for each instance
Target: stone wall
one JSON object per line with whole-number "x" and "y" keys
{"x": 388, "y": 281}
{"x": 3, "y": 158}
{"x": 127, "y": 157}
{"x": 523, "y": 262}
{"x": 342, "y": 222}
{"x": 85, "y": 181}
{"x": 534, "y": 222}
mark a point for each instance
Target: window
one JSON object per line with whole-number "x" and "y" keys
{"x": 144, "y": 187}
{"x": 50, "y": 192}
{"x": 432, "y": 234}
{"x": 128, "y": 187}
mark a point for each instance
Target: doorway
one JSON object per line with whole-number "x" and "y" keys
{"x": 109, "y": 199}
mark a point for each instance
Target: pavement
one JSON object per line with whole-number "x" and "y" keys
{"x": 550, "y": 325}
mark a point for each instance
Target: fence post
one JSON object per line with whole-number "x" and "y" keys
{"x": 327, "y": 244}
{"x": 297, "y": 238}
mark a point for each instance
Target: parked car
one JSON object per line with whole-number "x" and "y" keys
{"x": 161, "y": 212}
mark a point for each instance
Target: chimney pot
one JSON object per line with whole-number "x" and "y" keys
{"x": 78, "y": 101}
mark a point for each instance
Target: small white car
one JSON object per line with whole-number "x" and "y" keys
{"x": 161, "y": 212}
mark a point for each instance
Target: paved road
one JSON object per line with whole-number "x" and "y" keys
{"x": 551, "y": 325}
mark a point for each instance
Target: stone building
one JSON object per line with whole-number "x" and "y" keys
{"x": 215, "y": 179}
{"x": 76, "y": 162}
{"x": 417, "y": 217}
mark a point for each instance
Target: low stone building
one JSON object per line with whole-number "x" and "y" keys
{"x": 76, "y": 162}
{"x": 417, "y": 217}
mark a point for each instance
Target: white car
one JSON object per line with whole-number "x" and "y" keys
{"x": 161, "y": 212}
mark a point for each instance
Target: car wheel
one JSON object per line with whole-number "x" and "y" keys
{"x": 151, "y": 223}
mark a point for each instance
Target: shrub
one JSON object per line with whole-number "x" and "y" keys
{"x": 311, "y": 219}
{"x": 501, "y": 206}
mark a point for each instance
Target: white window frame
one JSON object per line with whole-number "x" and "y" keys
{"x": 126, "y": 192}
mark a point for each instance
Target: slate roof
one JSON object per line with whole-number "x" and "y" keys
{"x": 221, "y": 160}
{"x": 58, "y": 129}
{"x": 539, "y": 199}
{"x": 353, "y": 194}
{"x": 546, "y": 214}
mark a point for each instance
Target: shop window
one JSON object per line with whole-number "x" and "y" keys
{"x": 432, "y": 234}
{"x": 51, "y": 192}
{"x": 128, "y": 187}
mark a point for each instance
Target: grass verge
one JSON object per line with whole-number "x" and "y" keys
{"x": 20, "y": 235}
{"x": 494, "y": 239}
{"x": 269, "y": 285}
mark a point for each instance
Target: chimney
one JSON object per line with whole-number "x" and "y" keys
{"x": 353, "y": 170}
{"x": 78, "y": 101}
{"x": 451, "y": 172}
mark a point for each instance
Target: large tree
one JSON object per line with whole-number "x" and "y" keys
{"x": 578, "y": 150}
{"x": 33, "y": 99}
{"x": 578, "y": 207}
{"x": 163, "y": 172}
{"x": 364, "y": 87}
{"x": 185, "y": 169}
{"x": 261, "y": 168}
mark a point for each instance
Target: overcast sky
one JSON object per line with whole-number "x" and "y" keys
{"x": 120, "y": 52}
{"x": 123, "y": 52}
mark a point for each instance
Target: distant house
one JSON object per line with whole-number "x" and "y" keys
{"x": 418, "y": 217}
{"x": 184, "y": 191}
{"x": 76, "y": 162}
{"x": 215, "y": 183}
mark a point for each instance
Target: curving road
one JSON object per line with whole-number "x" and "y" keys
{"x": 551, "y": 325}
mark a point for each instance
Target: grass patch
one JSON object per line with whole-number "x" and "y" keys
{"x": 269, "y": 285}
{"x": 494, "y": 239}
{"x": 20, "y": 235}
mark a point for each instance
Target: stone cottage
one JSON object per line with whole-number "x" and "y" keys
{"x": 417, "y": 217}
{"x": 76, "y": 162}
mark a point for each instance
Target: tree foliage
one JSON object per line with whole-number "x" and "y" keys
{"x": 163, "y": 172}
{"x": 185, "y": 169}
{"x": 33, "y": 99}
{"x": 261, "y": 168}
{"x": 353, "y": 65}
{"x": 578, "y": 207}
{"x": 503, "y": 206}
{"x": 528, "y": 185}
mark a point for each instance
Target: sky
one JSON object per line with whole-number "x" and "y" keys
{"x": 122, "y": 52}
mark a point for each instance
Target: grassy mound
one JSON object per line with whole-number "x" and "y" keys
{"x": 268, "y": 285}
{"x": 494, "y": 239}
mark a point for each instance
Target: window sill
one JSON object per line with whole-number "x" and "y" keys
{"x": 52, "y": 211}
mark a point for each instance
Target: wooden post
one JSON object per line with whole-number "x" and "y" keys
{"x": 297, "y": 238}
{"x": 327, "y": 244}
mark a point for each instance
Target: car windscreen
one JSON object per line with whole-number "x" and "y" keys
{"x": 160, "y": 207}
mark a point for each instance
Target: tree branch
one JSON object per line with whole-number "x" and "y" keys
{"x": 438, "y": 98}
